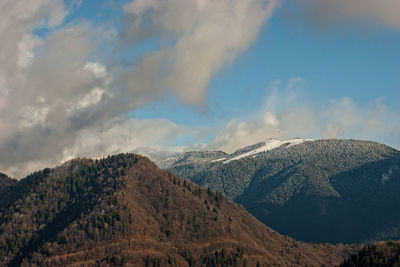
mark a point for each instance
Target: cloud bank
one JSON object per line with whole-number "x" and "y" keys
{"x": 59, "y": 100}
{"x": 283, "y": 116}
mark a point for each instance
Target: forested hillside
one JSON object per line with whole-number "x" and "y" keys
{"x": 381, "y": 254}
{"x": 125, "y": 210}
{"x": 5, "y": 182}
{"x": 320, "y": 191}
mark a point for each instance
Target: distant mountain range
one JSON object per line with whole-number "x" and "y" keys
{"x": 124, "y": 210}
{"x": 321, "y": 191}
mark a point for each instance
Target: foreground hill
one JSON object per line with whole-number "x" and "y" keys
{"x": 321, "y": 191}
{"x": 125, "y": 210}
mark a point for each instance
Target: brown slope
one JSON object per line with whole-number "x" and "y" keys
{"x": 125, "y": 210}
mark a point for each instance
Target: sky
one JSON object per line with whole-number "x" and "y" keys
{"x": 89, "y": 78}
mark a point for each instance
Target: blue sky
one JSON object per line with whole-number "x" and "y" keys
{"x": 343, "y": 61}
{"x": 346, "y": 60}
{"x": 92, "y": 78}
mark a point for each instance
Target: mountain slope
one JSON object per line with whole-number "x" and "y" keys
{"x": 314, "y": 191}
{"x": 125, "y": 210}
{"x": 376, "y": 255}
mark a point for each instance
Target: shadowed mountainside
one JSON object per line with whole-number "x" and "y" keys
{"x": 379, "y": 254}
{"x": 320, "y": 191}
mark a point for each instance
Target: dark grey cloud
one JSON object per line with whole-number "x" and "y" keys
{"x": 327, "y": 13}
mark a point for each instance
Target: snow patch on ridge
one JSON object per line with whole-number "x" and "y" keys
{"x": 217, "y": 160}
{"x": 269, "y": 145}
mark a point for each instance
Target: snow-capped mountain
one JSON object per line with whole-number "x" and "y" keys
{"x": 202, "y": 157}
{"x": 268, "y": 145}
{"x": 335, "y": 190}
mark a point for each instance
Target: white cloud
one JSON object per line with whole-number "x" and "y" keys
{"x": 285, "y": 116}
{"x": 57, "y": 100}
{"x": 41, "y": 78}
{"x": 238, "y": 134}
{"x": 154, "y": 138}
{"x": 126, "y": 135}
{"x": 198, "y": 38}
{"x": 270, "y": 119}
{"x": 99, "y": 70}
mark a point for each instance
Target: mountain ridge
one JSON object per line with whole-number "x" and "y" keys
{"x": 322, "y": 177}
{"x": 216, "y": 156}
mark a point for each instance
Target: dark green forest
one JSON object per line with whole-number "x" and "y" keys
{"x": 327, "y": 187}
{"x": 382, "y": 254}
